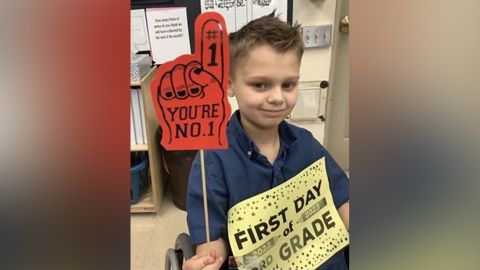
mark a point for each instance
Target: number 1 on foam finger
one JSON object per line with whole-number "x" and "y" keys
{"x": 213, "y": 49}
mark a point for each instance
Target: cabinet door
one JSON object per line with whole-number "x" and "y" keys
{"x": 337, "y": 137}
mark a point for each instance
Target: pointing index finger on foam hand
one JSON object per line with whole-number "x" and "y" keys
{"x": 212, "y": 46}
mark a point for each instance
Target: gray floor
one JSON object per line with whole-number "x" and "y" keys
{"x": 152, "y": 234}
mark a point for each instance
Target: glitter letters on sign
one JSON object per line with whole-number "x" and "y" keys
{"x": 292, "y": 226}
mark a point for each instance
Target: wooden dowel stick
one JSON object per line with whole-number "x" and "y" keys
{"x": 204, "y": 189}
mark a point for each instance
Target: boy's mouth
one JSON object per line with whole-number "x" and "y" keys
{"x": 273, "y": 113}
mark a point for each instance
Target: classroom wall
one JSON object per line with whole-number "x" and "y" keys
{"x": 317, "y": 60}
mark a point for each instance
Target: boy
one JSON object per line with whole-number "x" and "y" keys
{"x": 264, "y": 151}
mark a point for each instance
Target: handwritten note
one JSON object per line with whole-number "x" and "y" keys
{"x": 237, "y": 13}
{"x": 264, "y": 7}
{"x": 168, "y": 32}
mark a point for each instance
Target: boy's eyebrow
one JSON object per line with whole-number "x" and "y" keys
{"x": 258, "y": 78}
{"x": 296, "y": 78}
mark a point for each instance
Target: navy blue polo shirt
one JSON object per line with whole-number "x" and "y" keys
{"x": 241, "y": 172}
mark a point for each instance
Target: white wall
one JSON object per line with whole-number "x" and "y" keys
{"x": 316, "y": 61}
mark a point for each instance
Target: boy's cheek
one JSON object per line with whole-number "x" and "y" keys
{"x": 294, "y": 100}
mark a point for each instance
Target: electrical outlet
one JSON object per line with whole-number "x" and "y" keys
{"x": 317, "y": 35}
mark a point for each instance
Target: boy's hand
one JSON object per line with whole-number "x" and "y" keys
{"x": 206, "y": 262}
{"x": 189, "y": 93}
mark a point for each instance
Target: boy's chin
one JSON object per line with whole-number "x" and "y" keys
{"x": 263, "y": 122}
{"x": 270, "y": 123}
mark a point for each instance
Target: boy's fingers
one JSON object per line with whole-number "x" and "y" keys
{"x": 219, "y": 261}
{"x": 213, "y": 253}
{"x": 213, "y": 45}
{"x": 199, "y": 263}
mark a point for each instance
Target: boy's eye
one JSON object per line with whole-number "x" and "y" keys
{"x": 289, "y": 85}
{"x": 259, "y": 85}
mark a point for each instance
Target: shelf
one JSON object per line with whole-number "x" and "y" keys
{"x": 145, "y": 204}
{"x": 150, "y": 202}
{"x": 138, "y": 147}
{"x": 135, "y": 83}
{"x": 138, "y": 83}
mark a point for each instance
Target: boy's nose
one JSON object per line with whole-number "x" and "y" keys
{"x": 275, "y": 96}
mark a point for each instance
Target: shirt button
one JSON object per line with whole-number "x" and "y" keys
{"x": 249, "y": 153}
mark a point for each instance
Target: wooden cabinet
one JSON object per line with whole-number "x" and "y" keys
{"x": 151, "y": 200}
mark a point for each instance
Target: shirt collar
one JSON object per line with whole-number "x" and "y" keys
{"x": 287, "y": 136}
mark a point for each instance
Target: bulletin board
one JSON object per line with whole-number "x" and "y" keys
{"x": 193, "y": 10}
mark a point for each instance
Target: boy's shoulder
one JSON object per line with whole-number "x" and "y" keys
{"x": 296, "y": 129}
{"x": 295, "y": 132}
{"x": 301, "y": 139}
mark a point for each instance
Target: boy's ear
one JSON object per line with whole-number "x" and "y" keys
{"x": 230, "y": 91}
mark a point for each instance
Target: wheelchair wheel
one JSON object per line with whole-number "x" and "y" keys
{"x": 184, "y": 244}
{"x": 171, "y": 260}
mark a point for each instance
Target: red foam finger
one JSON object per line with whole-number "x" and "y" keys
{"x": 204, "y": 78}
{"x": 212, "y": 40}
{"x": 178, "y": 81}
{"x": 191, "y": 102}
{"x": 194, "y": 89}
{"x": 212, "y": 48}
{"x": 165, "y": 88}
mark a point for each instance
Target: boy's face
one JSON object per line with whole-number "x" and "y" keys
{"x": 265, "y": 85}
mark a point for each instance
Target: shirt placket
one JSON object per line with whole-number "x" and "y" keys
{"x": 278, "y": 177}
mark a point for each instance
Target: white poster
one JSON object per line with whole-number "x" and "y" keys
{"x": 168, "y": 32}
{"x": 138, "y": 31}
{"x": 237, "y": 13}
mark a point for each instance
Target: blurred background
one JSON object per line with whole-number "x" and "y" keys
{"x": 64, "y": 167}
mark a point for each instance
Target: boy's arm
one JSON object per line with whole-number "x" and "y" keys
{"x": 338, "y": 181}
{"x": 209, "y": 256}
{"x": 344, "y": 212}
{"x": 219, "y": 245}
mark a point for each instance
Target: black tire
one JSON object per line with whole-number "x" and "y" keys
{"x": 184, "y": 243}
{"x": 171, "y": 260}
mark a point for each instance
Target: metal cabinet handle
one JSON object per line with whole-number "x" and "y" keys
{"x": 344, "y": 24}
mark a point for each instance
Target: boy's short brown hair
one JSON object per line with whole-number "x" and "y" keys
{"x": 266, "y": 30}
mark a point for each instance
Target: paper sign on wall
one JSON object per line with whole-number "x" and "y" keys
{"x": 189, "y": 93}
{"x": 292, "y": 226}
{"x": 237, "y": 13}
{"x": 168, "y": 32}
{"x": 138, "y": 31}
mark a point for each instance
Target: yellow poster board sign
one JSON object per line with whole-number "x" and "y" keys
{"x": 291, "y": 226}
